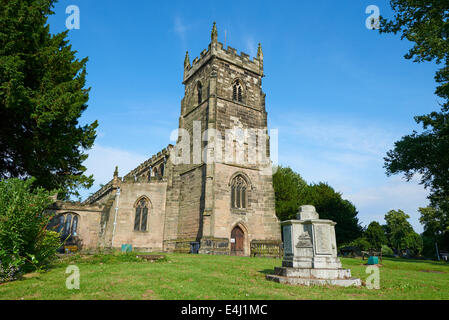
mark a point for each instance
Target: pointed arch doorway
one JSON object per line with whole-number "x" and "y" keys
{"x": 237, "y": 241}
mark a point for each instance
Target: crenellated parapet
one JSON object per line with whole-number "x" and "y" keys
{"x": 150, "y": 170}
{"x": 151, "y": 167}
{"x": 229, "y": 55}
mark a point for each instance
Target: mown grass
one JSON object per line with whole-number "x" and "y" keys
{"x": 182, "y": 276}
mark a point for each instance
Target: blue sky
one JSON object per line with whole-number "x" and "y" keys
{"x": 339, "y": 94}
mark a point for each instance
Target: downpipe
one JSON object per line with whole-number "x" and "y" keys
{"x": 115, "y": 218}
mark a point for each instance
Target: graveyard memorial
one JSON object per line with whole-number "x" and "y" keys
{"x": 310, "y": 253}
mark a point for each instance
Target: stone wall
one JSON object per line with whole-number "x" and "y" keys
{"x": 191, "y": 203}
{"x": 258, "y": 218}
{"x": 130, "y": 194}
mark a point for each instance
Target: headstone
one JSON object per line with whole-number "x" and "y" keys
{"x": 310, "y": 253}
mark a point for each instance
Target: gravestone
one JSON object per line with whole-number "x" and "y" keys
{"x": 310, "y": 253}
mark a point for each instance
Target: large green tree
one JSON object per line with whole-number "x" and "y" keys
{"x": 375, "y": 235}
{"x": 287, "y": 186}
{"x": 292, "y": 191}
{"x": 42, "y": 97}
{"x": 436, "y": 227}
{"x": 426, "y": 24}
{"x": 330, "y": 205}
{"x": 400, "y": 233}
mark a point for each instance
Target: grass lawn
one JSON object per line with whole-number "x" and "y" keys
{"x": 218, "y": 277}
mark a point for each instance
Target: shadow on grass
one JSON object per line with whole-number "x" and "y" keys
{"x": 267, "y": 271}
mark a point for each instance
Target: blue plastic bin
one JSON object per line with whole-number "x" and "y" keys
{"x": 373, "y": 260}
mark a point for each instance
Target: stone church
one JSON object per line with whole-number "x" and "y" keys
{"x": 166, "y": 205}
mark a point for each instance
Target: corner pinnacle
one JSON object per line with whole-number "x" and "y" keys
{"x": 214, "y": 34}
{"x": 259, "y": 51}
{"x": 187, "y": 60}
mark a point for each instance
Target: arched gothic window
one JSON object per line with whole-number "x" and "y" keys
{"x": 140, "y": 221}
{"x": 199, "y": 91}
{"x": 66, "y": 224}
{"x": 237, "y": 91}
{"x": 239, "y": 193}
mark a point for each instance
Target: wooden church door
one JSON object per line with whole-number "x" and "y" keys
{"x": 237, "y": 238}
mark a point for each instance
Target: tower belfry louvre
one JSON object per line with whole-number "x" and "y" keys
{"x": 213, "y": 187}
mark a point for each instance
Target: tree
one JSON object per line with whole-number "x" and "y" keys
{"x": 434, "y": 220}
{"x": 413, "y": 243}
{"x": 330, "y": 205}
{"x": 361, "y": 244}
{"x": 375, "y": 235}
{"x": 287, "y": 186}
{"x": 42, "y": 96}
{"x": 436, "y": 224}
{"x": 400, "y": 233}
{"x": 291, "y": 191}
{"x": 426, "y": 24}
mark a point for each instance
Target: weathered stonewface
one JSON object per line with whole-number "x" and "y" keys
{"x": 310, "y": 253}
{"x": 197, "y": 200}
{"x": 130, "y": 194}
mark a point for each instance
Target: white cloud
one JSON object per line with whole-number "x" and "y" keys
{"x": 349, "y": 156}
{"x": 375, "y": 201}
{"x": 251, "y": 46}
{"x": 180, "y": 28}
{"x": 344, "y": 135}
{"x": 102, "y": 161}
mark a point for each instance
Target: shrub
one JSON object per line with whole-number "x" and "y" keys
{"x": 387, "y": 251}
{"x": 360, "y": 243}
{"x": 355, "y": 247}
{"x": 46, "y": 249}
{"x": 24, "y": 241}
{"x": 10, "y": 265}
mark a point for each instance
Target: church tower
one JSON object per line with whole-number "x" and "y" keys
{"x": 220, "y": 191}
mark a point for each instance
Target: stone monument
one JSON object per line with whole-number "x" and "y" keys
{"x": 310, "y": 253}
